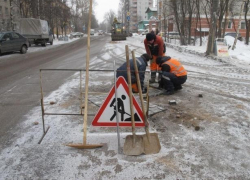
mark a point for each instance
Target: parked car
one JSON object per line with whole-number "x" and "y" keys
{"x": 12, "y": 41}
{"x": 233, "y": 34}
{"x": 76, "y": 34}
{"x": 173, "y": 35}
{"x": 92, "y": 32}
{"x": 100, "y": 32}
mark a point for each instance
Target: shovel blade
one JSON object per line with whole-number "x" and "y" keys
{"x": 151, "y": 143}
{"x": 84, "y": 146}
{"x": 132, "y": 148}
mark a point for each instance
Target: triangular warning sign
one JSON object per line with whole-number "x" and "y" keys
{"x": 106, "y": 115}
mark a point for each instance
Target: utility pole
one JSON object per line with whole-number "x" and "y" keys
{"x": 127, "y": 13}
{"x": 238, "y": 28}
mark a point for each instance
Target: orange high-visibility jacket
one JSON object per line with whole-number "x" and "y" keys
{"x": 176, "y": 67}
{"x": 156, "y": 49}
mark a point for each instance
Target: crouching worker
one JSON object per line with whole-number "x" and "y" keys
{"x": 142, "y": 63}
{"x": 173, "y": 74}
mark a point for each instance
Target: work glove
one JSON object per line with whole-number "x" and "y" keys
{"x": 144, "y": 90}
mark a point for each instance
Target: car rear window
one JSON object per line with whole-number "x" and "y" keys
{"x": 1, "y": 35}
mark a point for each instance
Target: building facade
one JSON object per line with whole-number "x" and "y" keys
{"x": 137, "y": 12}
{"x": 232, "y": 19}
{"x": 153, "y": 24}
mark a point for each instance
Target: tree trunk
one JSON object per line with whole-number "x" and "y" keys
{"x": 247, "y": 22}
{"x": 212, "y": 30}
{"x": 226, "y": 19}
{"x": 238, "y": 28}
{"x": 247, "y": 32}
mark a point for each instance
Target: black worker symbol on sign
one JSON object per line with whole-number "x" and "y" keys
{"x": 121, "y": 109}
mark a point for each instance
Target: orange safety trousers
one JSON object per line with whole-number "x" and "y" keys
{"x": 135, "y": 88}
{"x": 153, "y": 66}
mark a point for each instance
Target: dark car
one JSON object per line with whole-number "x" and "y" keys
{"x": 173, "y": 35}
{"x": 233, "y": 34}
{"x": 12, "y": 41}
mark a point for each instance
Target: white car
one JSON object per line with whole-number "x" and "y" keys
{"x": 76, "y": 34}
{"x": 100, "y": 32}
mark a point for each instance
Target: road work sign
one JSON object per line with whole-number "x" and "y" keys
{"x": 221, "y": 48}
{"x": 106, "y": 115}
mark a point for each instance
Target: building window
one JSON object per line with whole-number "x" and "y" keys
{"x": 243, "y": 25}
{"x": 229, "y": 26}
{"x": 1, "y": 10}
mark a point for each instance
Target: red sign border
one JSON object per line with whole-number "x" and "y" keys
{"x": 120, "y": 81}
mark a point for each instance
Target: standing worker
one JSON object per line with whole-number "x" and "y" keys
{"x": 154, "y": 47}
{"x": 173, "y": 74}
{"x": 142, "y": 63}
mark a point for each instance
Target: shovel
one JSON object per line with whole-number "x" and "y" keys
{"x": 147, "y": 112}
{"x": 85, "y": 145}
{"x": 133, "y": 145}
{"x": 150, "y": 140}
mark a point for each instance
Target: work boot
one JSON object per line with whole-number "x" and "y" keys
{"x": 168, "y": 92}
{"x": 152, "y": 80}
{"x": 159, "y": 76}
{"x": 153, "y": 76}
{"x": 144, "y": 90}
{"x": 176, "y": 88}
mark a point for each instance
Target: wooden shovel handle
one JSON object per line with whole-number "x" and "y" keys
{"x": 87, "y": 79}
{"x": 130, "y": 91}
{"x": 140, "y": 91}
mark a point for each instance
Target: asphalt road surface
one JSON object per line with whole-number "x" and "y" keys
{"x": 20, "y": 79}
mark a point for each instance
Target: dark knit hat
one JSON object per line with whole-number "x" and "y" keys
{"x": 162, "y": 59}
{"x": 145, "y": 57}
{"x": 150, "y": 36}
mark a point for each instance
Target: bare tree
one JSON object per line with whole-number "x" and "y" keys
{"x": 247, "y": 21}
{"x": 180, "y": 18}
{"x": 222, "y": 10}
{"x": 109, "y": 18}
{"x": 198, "y": 21}
{"x": 165, "y": 14}
{"x": 28, "y": 8}
{"x": 226, "y": 18}
{"x": 213, "y": 26}
{"x": 79, "y": 13}
{"x": 206, "y": 7}
{"x": 190, "y": 8}
{"x": 233, "y": 13}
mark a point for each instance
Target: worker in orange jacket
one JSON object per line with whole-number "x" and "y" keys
{"x": 155, "y": 47}
{"x": 173, "y": 74}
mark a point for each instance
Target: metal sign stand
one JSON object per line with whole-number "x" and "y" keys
{"x": 117, "y": 118}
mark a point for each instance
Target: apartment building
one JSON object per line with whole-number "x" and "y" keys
{"x": 137, "y": 11}
{"x": 4, "y": 15}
